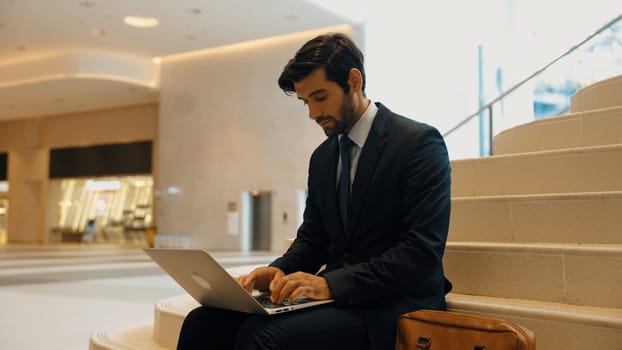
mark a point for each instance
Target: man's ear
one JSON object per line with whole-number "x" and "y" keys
{"x": 355, "y": 80}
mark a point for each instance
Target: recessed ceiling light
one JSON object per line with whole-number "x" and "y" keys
{"x": 141, "y": 22}
{"x": 87, "y": 4}
{"x": 98, "y": 32}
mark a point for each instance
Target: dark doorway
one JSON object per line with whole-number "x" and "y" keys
{"x": 261, "y": 203}
{"x": 4, "y": 160}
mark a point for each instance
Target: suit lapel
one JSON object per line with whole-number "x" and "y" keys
{"x": 367, "y": 163}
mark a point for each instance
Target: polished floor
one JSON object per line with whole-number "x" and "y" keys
{"x": 54, "y": 297}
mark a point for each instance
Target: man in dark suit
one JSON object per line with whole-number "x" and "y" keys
{"x": 376, "y": 219}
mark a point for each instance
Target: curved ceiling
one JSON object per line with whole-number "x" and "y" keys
{"x": 67, "y": 56}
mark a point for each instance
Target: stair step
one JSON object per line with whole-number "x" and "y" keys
{"x": 137, "y": 337}
{"x": 553, "y": 218}
{"x": 582, "y": 129}
{"x": 557, "y": 326}
{"x": 603, "y": 94}
{"x": 169, "y": 316}
{"x": 586, "y": 169}
{"x": 577, "y": 274}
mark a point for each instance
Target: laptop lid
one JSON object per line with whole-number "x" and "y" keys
{"x": 211, "y": 285}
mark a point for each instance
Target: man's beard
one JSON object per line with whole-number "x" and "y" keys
{"x": 347, "y": 120}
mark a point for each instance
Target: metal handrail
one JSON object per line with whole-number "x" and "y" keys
{"x": 536, "y": 73}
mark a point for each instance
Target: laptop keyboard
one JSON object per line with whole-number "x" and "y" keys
{"x": 264, "y": 300}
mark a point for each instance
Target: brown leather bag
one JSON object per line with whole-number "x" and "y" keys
{"x": 446, "y": 330}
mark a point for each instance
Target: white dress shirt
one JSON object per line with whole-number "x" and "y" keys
{"x": 358, "y": 134}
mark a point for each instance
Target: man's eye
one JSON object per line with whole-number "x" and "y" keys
{"x": 320, "y": 98}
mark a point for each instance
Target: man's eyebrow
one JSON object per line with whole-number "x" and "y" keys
{"x": 318, "y": 91}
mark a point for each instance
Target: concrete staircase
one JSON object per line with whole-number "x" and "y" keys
{"x": 536, "y": 230}
{"x": 535, "y": 235}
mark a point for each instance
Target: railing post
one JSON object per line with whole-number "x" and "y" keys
{"x": 490, "y": 130}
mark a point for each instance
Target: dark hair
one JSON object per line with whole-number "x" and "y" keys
{"x": 336, "y": 53}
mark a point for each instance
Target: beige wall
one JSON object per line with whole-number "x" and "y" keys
{"x": 29, "y": 141}
{"x": 226, "y": 128}
{"x": 118, "y": 125}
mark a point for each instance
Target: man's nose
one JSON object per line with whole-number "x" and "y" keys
{"x": 314, "y": 113}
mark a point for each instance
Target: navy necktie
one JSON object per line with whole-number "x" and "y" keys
{"x": 343, "y": 189}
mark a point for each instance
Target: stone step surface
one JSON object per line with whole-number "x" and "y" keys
{"x": 554, "y": 218}
{"x": 587, "y": 169}
{"x": 139, "y": 337}
{"x": 574, "y": 274}
{"x": 603, "y": 94}
{"x": 580, "y": 129}
{"x": 169, "y": 316}
{"x": 557, "y": 326}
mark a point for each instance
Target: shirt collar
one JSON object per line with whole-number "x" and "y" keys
{"x": 359, "y": 132}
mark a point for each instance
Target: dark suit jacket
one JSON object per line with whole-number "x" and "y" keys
{"x": 389, "y": 258}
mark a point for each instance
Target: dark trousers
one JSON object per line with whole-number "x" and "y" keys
{"x": 324, "y": 327}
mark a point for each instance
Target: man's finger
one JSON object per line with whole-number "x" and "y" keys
{"x": 246, "y": 281}
{"x": 287, "y": 286}
{"x": 300, "y": 291}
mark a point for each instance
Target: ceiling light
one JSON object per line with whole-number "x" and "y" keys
{"x": 87, "y": 4}
{"x": 141, "y": 22}
{"x": 98, "y": 32}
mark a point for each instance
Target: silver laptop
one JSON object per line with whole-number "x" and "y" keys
{"x": 211, "y": 285}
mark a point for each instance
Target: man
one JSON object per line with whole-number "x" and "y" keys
{"x": 377, "y": 217}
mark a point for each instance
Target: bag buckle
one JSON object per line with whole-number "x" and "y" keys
{"x": 423, "y": 343}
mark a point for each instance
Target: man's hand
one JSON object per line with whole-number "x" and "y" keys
{"x": 260, "y": 278}
{"x": 298, "y": 284}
